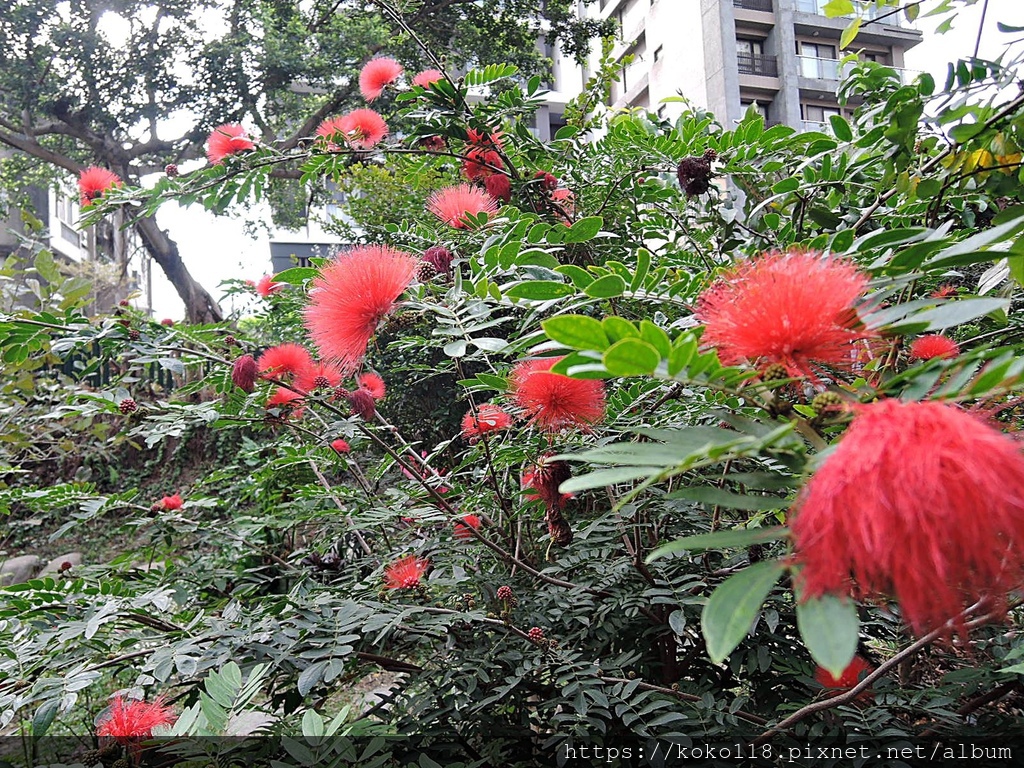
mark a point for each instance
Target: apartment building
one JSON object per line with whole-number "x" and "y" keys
{"x": 781, "y": 57}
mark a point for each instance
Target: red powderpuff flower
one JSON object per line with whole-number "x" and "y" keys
{"x": 428, "y": 76}
{"x": 132, "y": 721}
{"x": 286, "y": 401}
{"x": 244, "y": 373}
{"x": 350, "y": 298}
{"x": 453, "y": 204}
{"x": 943, "y": 291}
{"x": 440, "y": 258}
{"x": 284, "y": 359}
{"x": 921, "y": 502}
{"x": 542, "y": 480}
{"x": 93, "y": 182}
{"x": 376, "y": 74}
{"x": 266, "y": 286}
{"x": 848, "y": 678}
{"x": 329, "y": 129}
{"x": 318, "y": 375}
{"x": 171, "y": 503}
{"x": 362, "y": 403}
{"x": 405, "y": 573}
{"x": 463, "y": 525}
{"x": 363, "y": 128}
{"x": 373, "y": 384}
{"x": 553, "y": 401}
{"x": 168, "y": 322}
{"x": 795, "y": 309}
{"x": 340, "y": 446}
{"x": 488, "y": 418}
{"x": 481, "y": 163}
{"x": 226, "y": 140}
{"x": 936, "y": 345}
{"x": 499, "y": 187}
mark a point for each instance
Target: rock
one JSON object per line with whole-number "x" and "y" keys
{"x": 56, "y": 565}
{"x": 15, "y": 570}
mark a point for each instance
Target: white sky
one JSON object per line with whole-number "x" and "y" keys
{"x": 217, "y": 248}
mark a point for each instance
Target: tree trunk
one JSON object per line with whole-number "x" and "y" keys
{"x": 199, "y": 304}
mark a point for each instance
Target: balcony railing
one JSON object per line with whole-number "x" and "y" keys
{"x": 757, "y": 64}
{"x": 834, "y": 69}
{"x": 815, "y": 125}
{"x": 871, "y": 12}
{"x": 754, "y": 5}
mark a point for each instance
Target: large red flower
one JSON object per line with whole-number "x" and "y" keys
{"x": 921, "y": 502}
{"x": 285, "y": 359}
{"x": 360, "y": 128}
{"x": 130, "y": 721}
{"x": 171, "y": 503}
{"x": 405, "y": 573}
{"x": 453, "y": 205}
{"x": 93, "y": 182}
{"x": 553, "y": 401}
{"x": 795, "y": 309}
{"x": 376, "y": 74}
{"x": 374, "y": 384}
{"x": 350, "y": 298}
{"x": 226, "y": 140}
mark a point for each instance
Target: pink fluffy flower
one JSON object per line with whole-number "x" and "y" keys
{"x": 453, "y": 205}
{"x": 171, "y": 503}
{"x": 464, "y": 524}
{"x": 405, "y": 573}
{"x": 266, "y": 286}
{"x": 373, "y": 384}
{"x": 428, "y": 76}
{"x": 794, "y": 308}
{"x": 499, "y": 187}
{"x": 287, "y": 401}
{"x": 553, "y": 401}
{"x": 93, "y": 182}
{"x": 132, "y": 721}
{"x": 340, "y": 446}
{"x": 920, "y": 502}
{"x": 360, "y": 128}
{"x": 225, "y": 140}
{"x": 284, "y": 359}
{"x": 376, "y": 74}
{"x": 319, "y": 375}
{"x": 488, "y": 418}
{"x": 351, "y": 296}
{"x": 936, "y": 345}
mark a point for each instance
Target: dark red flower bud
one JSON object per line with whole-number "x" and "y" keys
{"x": 245, "y": 372}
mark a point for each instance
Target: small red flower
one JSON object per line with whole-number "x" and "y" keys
{"x": 848, "y": 678}
{"x": 171, "y": 503}
{"x": 489, "y": 418}
{"x": 452, "y": 205}
{"x": 360, "y": 128}
{"x": 362, "y": 403}
{"x": 226, "y": 140}
{"x": 168, "y": 322}
{"x": 541, "y": 482}
{"x": 463, "y": 524}
{"x": 93, "y": 182}
{"x": 319, "y": 375}
{"x": 244, "y": 373}
{"x": 553, "y": 401}
{"x": 376, "y": 74}
{"x": 287, "y": 401}
{"x": 548, "y": 182}
{"x": 350, "y": 298}
{"x": 936, "y": 345}
{"x": 285, "y": 359}
{"x": 920, "y": 502}
{"x": 944, "y": 292}
{"x": 405, "y": 573}
{"x": 795, "y": 309}
{"x": 132, "y": 721}
{"x": 266, "y": 286}
{"x": 440, "y": 258}
{"x": 373, "y": 384}
{"x": 340, "y": 446}
{"x": 481, "y": 163}
{"x": 499, "y": 187}
{"x": 428, "y": 76}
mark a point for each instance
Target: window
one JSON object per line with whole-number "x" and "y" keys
{"x": 818, "y": 50}
{"x": 750, "y": 58}
{"x": 757, "y": 106}
{"x": 817, "y": 114}
{"x": 750, "y": 47}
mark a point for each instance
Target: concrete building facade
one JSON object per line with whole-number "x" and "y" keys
{"x": 781, "y": 57}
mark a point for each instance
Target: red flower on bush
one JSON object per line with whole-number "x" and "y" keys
{"x": 360, "y": 128}
{"x": 405, "y": 573}
{"x": 936, "y": 345}
{"x": 319, "y": 375}
{"x": 499, "y": 187}
{"x": 463, "y": 525}
{"x": 131, "y": 721}
{"x": 340, "y": 446}
{"x": 440, "y": 258}
{"x": 848, "y": 678}
{"x": 266, "y": 286}
{"x": 285, "y": 359}
{"x": 921, "y": 502}
{"x": 428, "y": 76}
{"x": 795, "y": 309}
{"x": 553, "y": 401}
{"x": 286, "y": 401}
{"x": 170, "y": 503}
{"x": 93, "y": 182}
{"x": 376, "y": 74}
{"x": 452, "y": 205}
{"x": 373, "y": 384}
{"x": 244, "y": 373}
{"x": 350, "y": 298}
{"x": 482, "y": 156}
{"x": 488, "y": 418}
{"x": 225, "y": 140}
{"x": 541, "y": 482}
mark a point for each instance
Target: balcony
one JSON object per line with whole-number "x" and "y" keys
{"x": 754, "y": 5}
{"x": 822, "y": 69}
{"x": 816, "y": 125}
{"x": 818, "y": 7}
{"x": 757, "y": 64}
